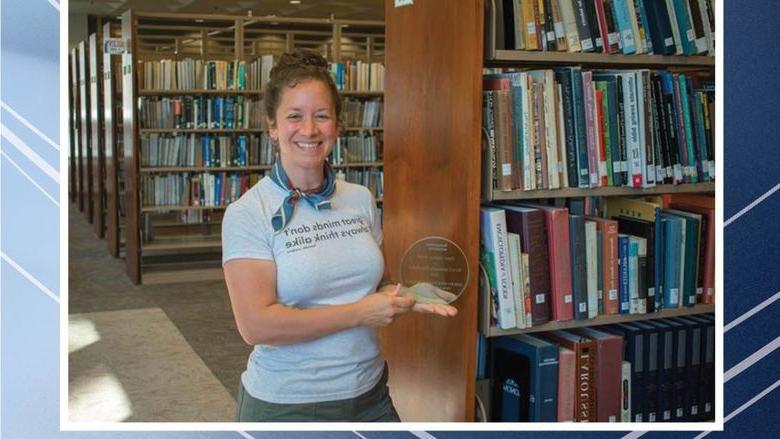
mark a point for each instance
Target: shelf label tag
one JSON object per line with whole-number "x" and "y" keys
{"x": 399, "y": 3}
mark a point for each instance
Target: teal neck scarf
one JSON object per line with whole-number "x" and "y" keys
{"x": 318, "y": 200}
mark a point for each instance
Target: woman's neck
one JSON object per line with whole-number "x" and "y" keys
{"x": 305, "y": 179}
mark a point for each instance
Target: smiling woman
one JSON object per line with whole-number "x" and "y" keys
{"x": 303, "y": 265}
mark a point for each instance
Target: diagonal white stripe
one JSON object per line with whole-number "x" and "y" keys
{"x": 29, "y": 277}
{"x": 751, "y": 312}
{"x": 32, "y": 155}
{"x": 423, "y": 434}
{"x": 747, "y": 208}
{"x": 744, "y": 406}
{"x": 245, "y": 434}
{"x": 54, "y": 4}
{"x": 359, "y": 435}
{"x": 26, "y": 123}
{"x": 751, "y": 360}
{"x": 30, "y": 178}
{"x": 634, "y": 434}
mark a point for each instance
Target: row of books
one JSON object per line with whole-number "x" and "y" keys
{"x": 193, "y": 189}
{"x": 356, "y": 149}
{"x": 362, "y": 113}
{"x": 569, "y": 127}
{"x": 372, "y": 178}
{"x": 358, "y": 76}
{"x": 545, "y": 263}
{"x": 190, "y": 74}
{"x": 166, "y": 150}
{"x": 670, "y": 27}
{"x": 188, "y": 112}
{"x": 660, "y": 370}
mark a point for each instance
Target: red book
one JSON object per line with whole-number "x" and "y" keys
{"x": 557, "y": 221}
{"x": 601, "y": 143}
{"x": 566, "y": 383}
{"x": 609, "y": 359}
{"x": 585, "y": 376}
{"x": 603, "y": 30}
{"x": 609, "y": 263}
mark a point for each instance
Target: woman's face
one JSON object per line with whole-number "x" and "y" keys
{"x": 305, "y": 125}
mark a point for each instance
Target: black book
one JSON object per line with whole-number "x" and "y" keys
{"x": 643, "y": 229}
{"x": 693, "y": 383}
{"x": 550, "y": 42}
{"x": 511, "y": 386}
{"x": 583, "y": 26}
{"x": 665, "y": 362}
{"x": 509, "y": 17}
{"x": 593, "y": 24}
{"x": 579, "y": 273}
{"x": 563, "y": 77}
{"x": 621, "y": 113}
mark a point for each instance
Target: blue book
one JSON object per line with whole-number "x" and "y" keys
{"x": 634, "y": 353}
{"x": 206, "y": 150}
{"x": 696, "y": 337}
{"x": 633, "y": 276}
{"x": 660, "y": 29}
{"x": 542, "y": 359}
{"x": 229, "y": 113}
{"x": 665, "y": 359}
{"x": 686, "y": 115}
{"x": 242, "y": 151}
{"x": 687, "y": 34}
{"x": 482, "y": 356}
{"x": 623, "y": 278}
{"x": 658, "y": 257}
{"x": 651, "y": 364}
{"x": 679, "y": 369}
{"x": 673, "y": 231}
{"x": 581, "y": 130}
{"x": 620, "y": 11}
{"x": 707, "y": 386}
{"x": 642, "y": 10}
{"x": 218, "y": 189}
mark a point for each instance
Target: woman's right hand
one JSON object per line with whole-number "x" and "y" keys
{"x": 381, "y": 308}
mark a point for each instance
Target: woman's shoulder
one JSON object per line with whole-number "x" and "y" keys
{"x": 354, "y": 191}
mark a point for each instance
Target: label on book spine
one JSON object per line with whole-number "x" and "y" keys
{"x": 699, "y": 291}
{"x": 567, "y": 298}
{"x": 669, "y": 41}
{"x": 667, "y": 415}
{"x": 695, "y": 410}
{"x": 710, "y": 292}
{"x": 583, "y": 307}
{"x": 602, "y": 169}
{"x": 613, "y": 38}
{"x": 638, "y": 417}
{"x": 539, "y": 298}
{"x": 551, "y": 36}
{"x": 712, "y": 169}
{"x": 612, "y": 418}
{"x": 680, "y": 412}
{"x": 651, "y": 417}
{"x": 506, "y": 169}
{"x": 599, "y": 42}
{"x": 651, "y": 292}
{"x": 691, "y": 35}
{"x": 707, "y": 407}
{"x": 660, "y": 173}
{"x": 677, "y": 173}
{"x": 692, "y": 300}
{"x": 616, "y": 167}
{"x": 531, "y": 27}
{"x": 613, "y": 294}
{"x": 627, "y": 37}
{"x": 560, "y": 31}
{"x": 586, "y": 44}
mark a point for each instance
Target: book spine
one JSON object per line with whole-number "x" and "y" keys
{"x": 625, "y": 392}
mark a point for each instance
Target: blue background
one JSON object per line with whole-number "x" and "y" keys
{"x": 30, "y": 238}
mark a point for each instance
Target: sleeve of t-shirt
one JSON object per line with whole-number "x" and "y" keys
{"x": 376, "y": 219}
{"x": 244, "y": 235}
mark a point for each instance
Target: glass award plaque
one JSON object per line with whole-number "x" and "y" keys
{"x": 434, "y": 270}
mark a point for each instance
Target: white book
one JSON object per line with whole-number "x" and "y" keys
{"x": 516, "y": 270}
{"x": 529, "y": 180}
{"x": 562, "y": 143}
{"x": 494, "y": 238}
{"x": 570, "y": 25}
{"x": 701, "y": 41}
{"x": 647, "y": 164}
{"x": 639, "y": 42}
{"x": 633, "y": 145}
{"x": 625, "y": 394}
{"x": 709, "y": 32}
{"x": 591, "y": 268}
{"x": 553, "y": 169}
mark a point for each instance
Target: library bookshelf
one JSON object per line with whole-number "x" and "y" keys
{"x": 168, "y": 241}
{"x": 433, "y": 160}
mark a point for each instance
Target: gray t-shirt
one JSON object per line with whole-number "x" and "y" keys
{"x": 323, "y": 258}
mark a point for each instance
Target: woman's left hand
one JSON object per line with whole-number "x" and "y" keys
{"x": 433, "y": 308}
{"x": 421, "y": 306}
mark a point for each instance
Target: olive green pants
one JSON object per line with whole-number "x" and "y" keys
{"x": 372, "y": 406}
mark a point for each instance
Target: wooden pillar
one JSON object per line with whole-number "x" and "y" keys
{"x": 98, "y": 146}
{"x": 432, "y": 179}
{"x": 111, "y": 147}
{"x": 130, "y": 144}
{"x": 86, "y": 129}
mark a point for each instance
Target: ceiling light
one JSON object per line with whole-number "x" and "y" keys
{"x": 295, "y": 2}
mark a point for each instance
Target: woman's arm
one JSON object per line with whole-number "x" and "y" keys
{"x": 260, "y": 319}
